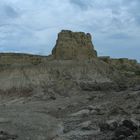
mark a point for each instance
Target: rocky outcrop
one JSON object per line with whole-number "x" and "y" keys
{"x": 124, "y": 130}
{"x": 130, "y": 68}
{"x": 121, "y": 63}
{"x": 74, "y": 46}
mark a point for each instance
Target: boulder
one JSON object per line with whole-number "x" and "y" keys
{"x": 123, "y": 131}
{"x": 129, "y": 124}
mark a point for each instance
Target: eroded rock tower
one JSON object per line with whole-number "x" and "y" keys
{"x": 74, "y": 46}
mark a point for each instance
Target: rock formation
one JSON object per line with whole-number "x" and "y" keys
{"x": 74, "y": 45}
{"x": 58, "y": 98}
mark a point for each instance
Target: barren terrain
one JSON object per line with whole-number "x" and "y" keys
{"x": 69, "y": 95}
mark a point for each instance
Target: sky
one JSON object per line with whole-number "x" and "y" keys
{"x": 31, "y": 26}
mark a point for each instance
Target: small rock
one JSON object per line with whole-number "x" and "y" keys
{"x": 123, "y": 131}
{"x": 91, "y": 107}
{"x": 4, "y": 120}
{"x": 81, "y": 112}
{"x": 59, "y": 138}
{"x": 121, "y": 137}
{"x": 7, "y": 136}
{"x": 41, "y": 138}
{"x": 90, "y": 98}
{"x": 52, "y": 97}
{"x": 97, "y": 111}
{"x": 112, "y": 124}
{"x": 118, "y": 110}
{"x": 86, "y": 125}
{"x": 108, "y": 125}
{"x": 136, "y": 88}
{"x": 104, "y": 126}
{"x": 137, "y": 134}
{"x": 131, "y": 138}
{"x": 136, "y": 111}
{"x": 94, "y": 112}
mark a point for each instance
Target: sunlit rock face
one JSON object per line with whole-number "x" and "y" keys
{"x": 74, "y": 46}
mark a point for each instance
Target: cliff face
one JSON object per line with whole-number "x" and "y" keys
{"x": 74, "y": 46}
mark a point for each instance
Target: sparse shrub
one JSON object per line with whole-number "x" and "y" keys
{"x": 137, "y": 72}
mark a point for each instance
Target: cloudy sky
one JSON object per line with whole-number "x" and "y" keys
{"x": 31, "y": 26}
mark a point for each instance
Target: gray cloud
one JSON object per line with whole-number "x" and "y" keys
{"x": 7, "y": 12}
{"x": 82, "y": 4}
{"x": 10, "y": 12}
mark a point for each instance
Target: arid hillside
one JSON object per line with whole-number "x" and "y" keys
{"x": 73, "y": 62}
{"x": 72, "y": 94}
